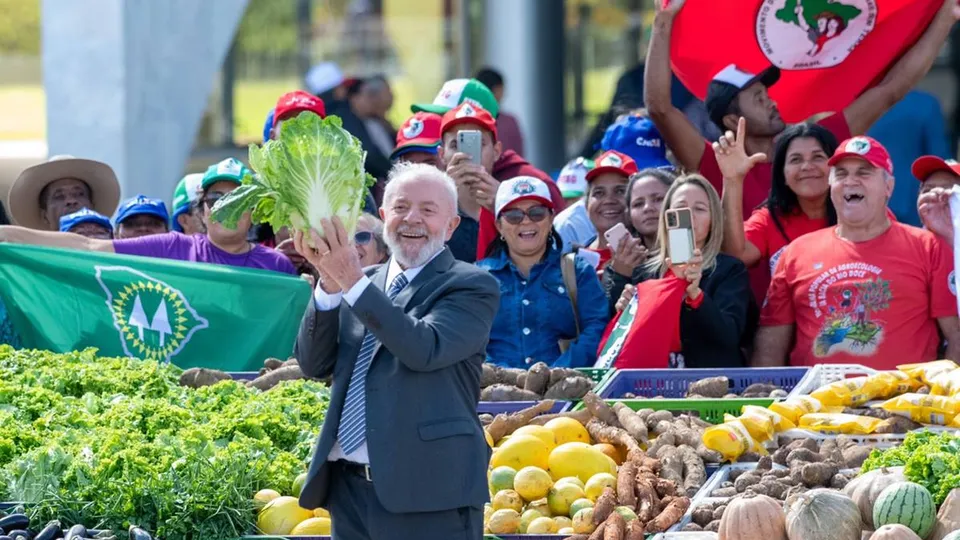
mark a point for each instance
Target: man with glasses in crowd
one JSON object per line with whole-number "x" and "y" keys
{"x": 219, "y": 245}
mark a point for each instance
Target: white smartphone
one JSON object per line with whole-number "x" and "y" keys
{"x": 680, "y": 235}
{"x": 470, "y": 142}
{"x": 615, "y": 234}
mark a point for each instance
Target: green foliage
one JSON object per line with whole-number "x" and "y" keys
{"x": 312, "y": 170}
{"x": 929, "y": 459}
{"x": 20, "y": 27}
{"x": 110, "y": 442}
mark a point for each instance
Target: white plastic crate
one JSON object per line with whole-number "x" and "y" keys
{"x": 822, "y": 374}
{"x": 876, "y": 440}
{"x": 702, "y": 535}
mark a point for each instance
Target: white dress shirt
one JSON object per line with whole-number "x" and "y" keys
{"x": 327, "y": 302}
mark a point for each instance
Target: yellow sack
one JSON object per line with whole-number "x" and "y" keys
{"x": 939, "y": 410}
{"x": 946, "y": 383}
{"x": 731, "y": 439}
{"x": 849, "y": 392}
{"x": 927, "y": 371}
{"x": 838, "y": 423}
{"x": 780, "y": 422}
{"x": 895, "y": 383}
{"x": 759, "y": 426}
{"x": 793, "y": 408}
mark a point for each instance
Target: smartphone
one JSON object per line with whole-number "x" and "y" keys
{"x": 470, "y": 142}
{"x": 615, "y": 234}
{"x": 680, "y": 235}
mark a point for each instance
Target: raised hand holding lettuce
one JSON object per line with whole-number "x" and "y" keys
{"x": 312, "y": 170}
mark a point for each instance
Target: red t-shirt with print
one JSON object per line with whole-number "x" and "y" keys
{"x": 756, "y": 186}
{"x": 873, "y": 303}
{"x": 761, "y": 231}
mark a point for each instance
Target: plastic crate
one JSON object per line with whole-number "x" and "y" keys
{"x": 243, "y": 375}
{"x": 673, "y": 383}
{"x": 274, "y": 537}
{"x": 497, "y": 407}
{"x": 822, "y": 374}
{"x": 710, "y": 410}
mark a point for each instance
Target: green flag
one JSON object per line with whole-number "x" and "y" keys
{"x": 190, "y": 314}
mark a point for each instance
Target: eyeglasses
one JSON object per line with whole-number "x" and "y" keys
{"x": 363, "y": 238}
{"x": 514, "y": 216}
{"x": 211, "y": 199}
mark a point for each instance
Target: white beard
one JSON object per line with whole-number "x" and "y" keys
{"x": 420, "y": 258}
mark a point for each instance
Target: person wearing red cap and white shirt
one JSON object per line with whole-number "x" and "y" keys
{"x": 418, "y": 140}
{"x": 477, "y": 182}
{"x": 606, "y": 201}
{"x": 293, "y": 103}
{"x": 869, "y": 290}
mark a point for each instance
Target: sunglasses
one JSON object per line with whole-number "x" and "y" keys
{"x": 363, "y": 238}
{"x": 514, "y": 216}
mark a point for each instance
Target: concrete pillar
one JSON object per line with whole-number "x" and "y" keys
{"x": 525, "y": 42}
{"x": 127, "y": 81}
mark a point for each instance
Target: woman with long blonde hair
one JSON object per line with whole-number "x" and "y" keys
{"x": 717, "y": 308}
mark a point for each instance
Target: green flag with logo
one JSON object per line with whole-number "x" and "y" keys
{"x": 191, "y": 314}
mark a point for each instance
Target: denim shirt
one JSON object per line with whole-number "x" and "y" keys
{"x": 535, "y": 314}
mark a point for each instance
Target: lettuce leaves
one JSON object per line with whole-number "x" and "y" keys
{"x": 313, "y": 170}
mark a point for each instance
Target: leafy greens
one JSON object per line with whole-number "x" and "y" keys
{"x": 928, "y": 458}
{"x": 312, "y": 170}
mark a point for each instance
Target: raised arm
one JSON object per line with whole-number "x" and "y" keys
{"x": 905, "y": 73}
{"x": 21, "y": 235}
{"x": 735, "y": 164}
{"x": 680, "y": 134}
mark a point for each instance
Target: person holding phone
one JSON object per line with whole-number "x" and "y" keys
{"x": 607, "y": 204}
{"x": 645, "y": 193}
{"x": 715, "y": 302}
{"x": 542, "y": 311}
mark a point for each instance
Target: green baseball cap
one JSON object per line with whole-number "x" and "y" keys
{"x": 186, "y": 192}
{"x": 457, "y": 91}
{"x": 228, "y": 170}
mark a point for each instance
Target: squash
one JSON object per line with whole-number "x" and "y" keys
{"x": 894, "y": 532}
{"x": 753, "y": 517}
{"x": 865, "y": 489}
{"x": 948, "y": 518}
{"x": 822, "y": 514}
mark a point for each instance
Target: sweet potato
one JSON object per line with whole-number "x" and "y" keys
{"x": 583, "y": 416}
{"x": 606, "y": 503}
{"x": 599, "y": 409}
{"x": 275, "y": 377}
{"x": 505, "y": 424}
{"x": 598, "y": 532}
{"x": 613, "y": 435}
{"x": 506, "y": 392}
{"x": 634, "y": 531}
{"x": 197, "y": 377}
{"x": 616, "y": 527}
{"x": 626, "y": 480}
{"x": 665, "y": 487}
{"x": 569, "y": 388}
{"x": 632, "y": 423}
{"x": 711, "y": 387}
{"x": 694, "y": 471}
{"x": 538, "y": 378}
{"x": 670, "y": 515}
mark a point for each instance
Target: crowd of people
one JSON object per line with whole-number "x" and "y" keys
{"x": 798, "y": 259}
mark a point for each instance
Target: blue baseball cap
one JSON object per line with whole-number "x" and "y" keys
{"x": 637, "y": 137}
{"x": 268, "y": 125}
{"x": 84, "y": 215}
{"x": 140, "y": 205}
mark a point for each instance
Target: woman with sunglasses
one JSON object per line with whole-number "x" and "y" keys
{"x": 369, "y": 241}
{"x": 537, "y": 311}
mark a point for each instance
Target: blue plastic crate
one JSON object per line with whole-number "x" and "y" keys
{"x": 244, "y": 376}
{"x": 673, "y": 383}
{"x": 497, "y": 407}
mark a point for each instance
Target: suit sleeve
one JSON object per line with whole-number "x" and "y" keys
{"x": 456, "y": 326}
{"x": 722, "y": 315}
{"x": 593, "y": 314}
{"x": 318, "y": 340}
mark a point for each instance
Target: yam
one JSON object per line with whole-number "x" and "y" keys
{"x": 506, "y": 392}
{"x": 708, "y": 455}
{"x": 489, "y": 375}
{"x": 658, "y": 416}
{"x": 538, "y": 378}
{"x": 665, "y": 487}
{"x": 690, "y": 527}
{"x": 775, "y": 488}
{"x": 758, "y": 390}
{"x": 702, "y": 515}
{"x": 600, "y": 410}
{"x": 710, "y": 387}
{"x": 723, "y": 492}
{"x": 803, "y": 455}
{"x": 667, "y": 439}
{"x": 671, "y": 464}
{"x": 694, "y": 471}
{"x": 897, "y": 424}
{"x": 765, "y": 463}
{"x": 718, "y": 511}
{"x": 275, "y": 377}
{"x": 511, "y": 376}
{"x": 779, "y": 393}
{"x": 272, "y": 363}
{"x": 634, "y": 531}
{"x": 632, "y": 423}
{"x": 606, "y": 503}
{"x": 613, "y": 435}
{"x": 644, "y": 413}
{"x": 839, "y": 481}
{"x": 626, "y": 479}
{"x": 749, "y": 457}
{"x": 854, "y": 456}
{"x": 583, "y": 416}
{"x": 647, "y": 500}
{"x": 745, "y": 481}
{"x": 198, "y": 377}
{"x": 818, "y": 474}
{"x": 292, "y": 361}
{"x": 598, "y": 532}
{"x": 505, "y": 424}
{"x": 616, "y": 527}
{"x": 557, "y": 374}
{"x": 713, "y": 526}
{"x": 570, "y": 388}
{"x": 670, "y": 515}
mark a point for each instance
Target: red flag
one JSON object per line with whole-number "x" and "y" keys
{"x": 829, "y": 51}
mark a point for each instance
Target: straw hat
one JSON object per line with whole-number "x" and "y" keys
{"x": 25, "y": 192}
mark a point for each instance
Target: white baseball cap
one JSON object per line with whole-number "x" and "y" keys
{"x": 521, "y": 188}
{"x": 323, "y": 77}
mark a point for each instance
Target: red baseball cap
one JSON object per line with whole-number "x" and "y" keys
{"x": 612, "y": 161}
{"x": 924, "y": 166}
{"x": 422, "y": 130}
{"x": 294, "y": 103}
{"x": 865, "y": 148}
{"x": 468, "y": 113}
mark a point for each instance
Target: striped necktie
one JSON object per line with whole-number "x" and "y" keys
{"x": 352, "y": 430}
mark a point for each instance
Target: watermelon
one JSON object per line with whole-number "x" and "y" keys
{"x": 908, "y": 504}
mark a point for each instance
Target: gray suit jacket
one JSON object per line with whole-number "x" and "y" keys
{"x": 426, "y": 446}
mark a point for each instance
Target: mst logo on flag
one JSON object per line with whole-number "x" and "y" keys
{"x": 154, "y": 320}
{"x": 832, "y": 30}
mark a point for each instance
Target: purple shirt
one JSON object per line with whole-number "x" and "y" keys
{"x": 198, "y": 248}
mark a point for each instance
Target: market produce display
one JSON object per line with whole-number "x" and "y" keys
{"x": 273, "y": 372}
{"x": 16, "y": 525}
{"x": 719, "y": 388}
{"x": 113, "y": 442}
{"x": 539, "y": 382}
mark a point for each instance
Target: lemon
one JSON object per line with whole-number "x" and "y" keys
{"x": 539, "y": 432}
{"x": 281, "y": 515}
{"x": 501, "y": 478}
{"x": 542, "y": 525}
{"x": 505, "y": 521}
{"x": 532, "y": 483}
{"x": 596, "y": 483}
{"x": 583, "y": 521}
{"x": 561, "y": 496}
{"x": 263, "y": 497}
{"x": 311, "y": 527}
{"x": 567, "y": 430}
{"x": 507, "y": 498}
{"x": 521, "y": 451}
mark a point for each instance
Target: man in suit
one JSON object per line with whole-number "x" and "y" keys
{"x": 401, "y": 454}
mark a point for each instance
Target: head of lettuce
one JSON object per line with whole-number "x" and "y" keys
{"x": 312, "y": 170}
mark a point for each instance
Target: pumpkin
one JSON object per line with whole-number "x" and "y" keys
{"x": 948, "y": 518}
{"x": 822, "y": 514}
{"x": 894, "y": 532}
{"x": 865, "y": 489}
{"x": 752, "y": 517}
